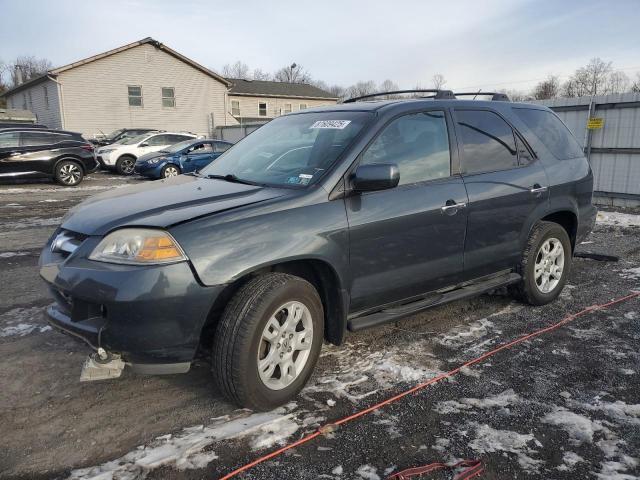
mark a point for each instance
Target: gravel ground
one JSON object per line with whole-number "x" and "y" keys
{"x": 563, "y": 405}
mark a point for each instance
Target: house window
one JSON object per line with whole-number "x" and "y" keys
{"x": 168, "y": 97}
{"x": 30, "y": 101}
{"x": 235, "y": 108}
{"x": 303, "y": 106}
{"x": 13, "y": 102}
{"x": 46, "y": 98}
{"x": 287, "y": 108}
{"x": 135, "y": 95}
{"x": 262, "y": 109}
{"x": 24, "y": 101}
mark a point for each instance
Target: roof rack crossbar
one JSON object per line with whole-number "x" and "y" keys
{"x": 438, "y": 94}
{"x": 495, "y": 96}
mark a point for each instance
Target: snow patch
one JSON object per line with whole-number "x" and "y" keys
{"x": 501, "y": 400}
{"x": 368, "y": 472}
{"x": 461, "y": 335}
{"x": 489, "y": 440}
{"x": 579, "y": 427}
{"x": 631, "y": 273}
{"x": 186, "y": 449}
{"x": 19, "y": 322}
{"x": 570, "y": 460}
{"x": 618, "y": 219}
{"x": 13, "y": 254}
{"x": 338, "y": 470}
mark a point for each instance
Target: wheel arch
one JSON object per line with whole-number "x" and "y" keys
{"x": 319, "y": 273}
{"x": 70, "y": 158}
{"x": 567, "y": 219}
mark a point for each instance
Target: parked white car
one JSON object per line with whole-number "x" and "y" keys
{"x": 122, "y": 156}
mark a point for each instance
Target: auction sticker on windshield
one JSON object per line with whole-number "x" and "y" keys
{"x": 338, "y": 124}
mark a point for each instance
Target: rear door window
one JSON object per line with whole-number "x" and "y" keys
{"x": 158, "y": 140}
{"x": 9, "y": 139}
{"x": 34, "y": 139}
{"x": 222, "y": 147}
{"x": 550, "y": 130}
{"x": 418, "y": 143}
{"x": 488, "y": 142}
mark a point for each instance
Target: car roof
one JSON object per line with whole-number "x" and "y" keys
{"x": 42, "y": 130}
{"x": 413, "y": 103}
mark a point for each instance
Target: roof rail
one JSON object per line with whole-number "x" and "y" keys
{"x": 437, "y": 94}
{"x": 495, "y": 96}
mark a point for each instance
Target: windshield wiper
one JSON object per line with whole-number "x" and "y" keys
{"x": 230, "y": 177}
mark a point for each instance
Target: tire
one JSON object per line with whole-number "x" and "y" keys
{"x": 69, "y": 173}
{"x": 125, "y": 164}
{"x": 170, "y": 170}
{"x": 239, "y": 345}
{"x": 532, "y": 288}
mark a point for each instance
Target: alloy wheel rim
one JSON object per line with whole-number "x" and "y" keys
{"x": 285, "y": 345}
{"x": 70, "y": 174}
{"x": 127, "y": 166}
{"x": 170, "y": 172}
{"x": 549, "y": 265}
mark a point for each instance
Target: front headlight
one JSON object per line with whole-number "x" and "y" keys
{"x": 106, "y": 150}
{"x": 138, "y": 246}
{"x": 155, "y": 160}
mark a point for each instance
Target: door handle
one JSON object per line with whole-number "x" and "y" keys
{"x": 451, "y": 207}
{"x": 535, "y": 189}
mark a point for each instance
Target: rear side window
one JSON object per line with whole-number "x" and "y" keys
{"x": 551, "y": 132}
{"x": 488, "y": 143}
{"x": 418, "y": 143}
{"x": 34, "y": 139}
{"x": 158, "y": 140}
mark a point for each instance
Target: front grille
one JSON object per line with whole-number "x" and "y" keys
{"x": 66, "y": 242}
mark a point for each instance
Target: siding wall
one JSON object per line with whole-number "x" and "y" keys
{"x": 96, "y": 98}
{"x": 34, "y": 99}
{"x": 249, "y": 105}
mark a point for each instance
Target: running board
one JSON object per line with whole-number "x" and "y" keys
{"x": 401, "y": 311}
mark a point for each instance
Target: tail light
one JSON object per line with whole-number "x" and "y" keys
{"x": 88, "y": 147}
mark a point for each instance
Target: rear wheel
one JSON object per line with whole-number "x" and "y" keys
{"x": 268, "y": 341}
{"x": 170, "y": 170}
{"x": 69, "y": 173}
{"x": 125, "y": 165}
{"x": 545, "y": 264}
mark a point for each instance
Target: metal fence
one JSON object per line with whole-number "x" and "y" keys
{"x": 614, "y": 148}
{"x": 234, "y": 133}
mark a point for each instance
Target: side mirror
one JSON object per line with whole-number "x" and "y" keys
{"x": 369, "y": 178}
{"x": 145, "y": 144}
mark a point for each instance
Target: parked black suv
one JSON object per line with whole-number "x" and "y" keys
{"x": 38, "y": 152}
{"x": 331, "y": 219}
{"x": 120, "y": 134}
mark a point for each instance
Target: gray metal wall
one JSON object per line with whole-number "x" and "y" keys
{"x": 235, "y": 133}
{"x": 615, "y": 148}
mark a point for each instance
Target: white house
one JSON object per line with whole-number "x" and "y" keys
{"x": 148, "y": 85}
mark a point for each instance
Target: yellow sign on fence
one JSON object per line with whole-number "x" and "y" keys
{"x": 594, "y": 123}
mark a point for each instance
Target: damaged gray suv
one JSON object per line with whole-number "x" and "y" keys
{"x": 321, "y": 222}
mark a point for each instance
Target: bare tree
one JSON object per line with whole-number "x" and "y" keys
{"x": 361, "y": 88}
{"x": 236, "y": 70}
{"x": 618, "y": 82}
{"x": 388, "y": 86}
{"x": 438, "y": 81}
{"x": 548, "y": 88}
{"x": 259, "y": 74}
{"x": 338, "y": 91}
{"x": 636, "y": 85}
{"x": 25, "y": 68}
{"x": 292, "y": 74}
{"x": 588, "y": 80}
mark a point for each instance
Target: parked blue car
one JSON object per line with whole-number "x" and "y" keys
{"x": 183, "y": 157}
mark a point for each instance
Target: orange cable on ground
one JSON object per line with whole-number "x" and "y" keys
{"x": 443, "y": 376}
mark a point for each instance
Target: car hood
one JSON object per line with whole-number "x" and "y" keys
{"x": 149, "y": 156}
{"x": 162, "y": 203}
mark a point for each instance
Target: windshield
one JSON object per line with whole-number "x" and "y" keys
{"x": 133, "y": 140}
{"x": 179, "y": 146}
{"x": 291, "y": 150}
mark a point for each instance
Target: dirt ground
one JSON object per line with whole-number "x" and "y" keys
{"x": 564, "y": 405}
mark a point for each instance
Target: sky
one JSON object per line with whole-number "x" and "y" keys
{"x": 490, "y": 44}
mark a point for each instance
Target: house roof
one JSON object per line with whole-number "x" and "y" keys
{"x": 263, "y": 88}
{"x": 160, "y": 46}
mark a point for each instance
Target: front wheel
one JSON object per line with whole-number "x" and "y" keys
{"x": 125, "y": 165}
{"x": 68, "y": 173}
{"x": 268, "y": 341}
{"x": 545, "y": 264}
{"x": 170, "y": 170}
